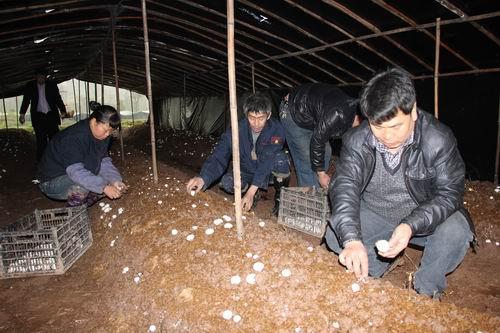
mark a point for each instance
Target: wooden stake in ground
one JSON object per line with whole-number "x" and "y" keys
{"x": 436, "y": 68}
{"x": 497, "y": 160}
{"x": 234, "y": 116}
{"x": 117, "y": 84}
{"x": 150, "y": 92}
{"x": 5, "y": 115}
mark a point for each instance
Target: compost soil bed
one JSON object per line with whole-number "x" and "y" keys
{"x": 139, "y": 272}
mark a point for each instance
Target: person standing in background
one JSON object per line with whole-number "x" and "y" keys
{"x": 46, "y": 104}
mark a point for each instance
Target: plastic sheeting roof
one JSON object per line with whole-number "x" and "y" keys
{"x": 288, "y": 42}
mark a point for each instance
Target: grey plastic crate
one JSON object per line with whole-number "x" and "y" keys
{"x": 46, "y": 242}
{"x": 304, "y": 209}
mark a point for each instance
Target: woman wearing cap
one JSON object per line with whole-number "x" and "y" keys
{"x": 76, "y": 166}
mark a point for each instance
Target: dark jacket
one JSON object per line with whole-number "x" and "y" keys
{"x": 269, "y": 143}
{"x": 324, "y": 109}
{"x": 434, "y": 175}
{"x": 53, "y": 97}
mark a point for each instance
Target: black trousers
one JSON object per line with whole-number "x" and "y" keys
{"x": 45, "y": 128}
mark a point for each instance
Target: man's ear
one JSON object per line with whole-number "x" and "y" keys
{"x": 414, "y": 114}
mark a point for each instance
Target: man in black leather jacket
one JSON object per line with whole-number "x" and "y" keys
{"x": 312, "y": 114}
{"x": 400, "y": 178}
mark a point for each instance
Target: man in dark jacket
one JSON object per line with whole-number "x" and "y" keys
{"x": 46, "y": 103}
{"x": 261, "y": 155}
{"x": 312, "y": 114}
{"x": 400, "y": 178}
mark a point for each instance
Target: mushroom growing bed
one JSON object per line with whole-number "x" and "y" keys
{"x": 153, "y": 278}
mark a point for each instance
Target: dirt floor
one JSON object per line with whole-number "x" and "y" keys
{"x": 143, "y": 274}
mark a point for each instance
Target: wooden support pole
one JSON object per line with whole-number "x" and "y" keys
{"x": 253, "y": 78}
{"x": 79, "y": 101}
{"x": 95, "y": 91}
{"x": 102, "y": 78}
{"x": 74, "y": 95}
{"x": 497, "y": 160}
{"x": 184, "y": 94}
{"x": 86, "y": 87}
{"x": 5, "y": 115}
{"x": 117, "y": 84}
{"x": 436, "y": 68}
{"x": 17, "y": 114}
{"x": 231, "y": 75}
{"x": 132, "y": 106}
{"x": 150, "y": 91}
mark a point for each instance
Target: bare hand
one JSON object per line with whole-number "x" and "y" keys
{"x": 22, "y": 118}
{"x": 120, "y": 186}
{"x": 195, "y": 184}
{"x": 399, "y": 241}
{"x": 323, "y": 179}
{"x": 112, "y": 192}
{"x": 355, "y": 258}
{"x": 247, "y": 201}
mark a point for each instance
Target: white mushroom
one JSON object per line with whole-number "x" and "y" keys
{"x": 262, "y": 224}
{"x": 258, "y": 266}
{"x": 228, "y": 225}
{"x": 190, "y": 237}
{"x": 209, "y": 231}
{"x": 286, "y": 273}
{"x": 152, "y": 328}
{"x": 250, "y": 278}
{"x": 236, "y": 318}
{"x": 226, "y": 218}
{"x": 227, "y": 314}
{"x": 382, "y": 245}
{"x": 124, "y": 270}
{"x": 236, "y": 279}
{"x": 193, "y": 192}
{"x": 355, "y": 287}
{"x": 174, "y": 232}
{"x": 218, "y": 221}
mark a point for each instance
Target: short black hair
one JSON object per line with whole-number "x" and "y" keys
{"x": 41, "y": 71}
{"x": 385, "y": 94}
{"x": 105, "y": 114}
{"x": 257, "y": 103}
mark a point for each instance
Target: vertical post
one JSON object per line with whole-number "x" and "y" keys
{"x": 102, "y": 78}
{"x": 79, "y": 100}
{"x": 436, "y": 68}
{"x": 132, "y": 107}
{"x": 17, "y": 115}
{"x": 74, "y": 95}
{"x": 253, "y": 78}
{"x": 95, "y": 91}
{"x": 86, "y": 88}
{"x": 117, "y": 85}
{"x": 497, "y": 160}
{"x": 184, "y": 95}
{"x": 5, "y": 115}
{"x": 234, "y": 116}
{"x": 87, "y": 92}
{"x": 150, "y": 93}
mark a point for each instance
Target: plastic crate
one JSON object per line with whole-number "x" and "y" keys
{"x": 304, "y": 209}
{"x": 46, "y": 242}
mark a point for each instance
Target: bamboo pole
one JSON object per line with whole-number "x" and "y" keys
{"x": 95, "y": 91}
{"x": 132, "y": 106}
{"x": 102, "y": 78}
{"x": 184, "y": 93}
{"x": 436, "y": 68}
{"x": 79, "y": 100}
{"x": 74, "y": 95}
{"x": 253, "y": 78}
{"x": 5, "y": 115}
{"x": 117, "y": 84}
{"x": 17, "y": 115}
{"x": 86, "y": 88}
{"x": 231, "y": 75}
{"x": 150, "y": 92}
{"x": 497, "y": 160}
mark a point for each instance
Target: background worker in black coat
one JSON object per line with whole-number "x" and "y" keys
{"x": 312, "y": 114}
{"x": 46, "y": 103}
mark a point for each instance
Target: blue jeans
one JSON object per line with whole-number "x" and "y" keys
{"x": 280, "y": 168}
{"x": 61, "y": 187}
{"x": 299, "y": 143}
{"x": 443, "y": 250}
